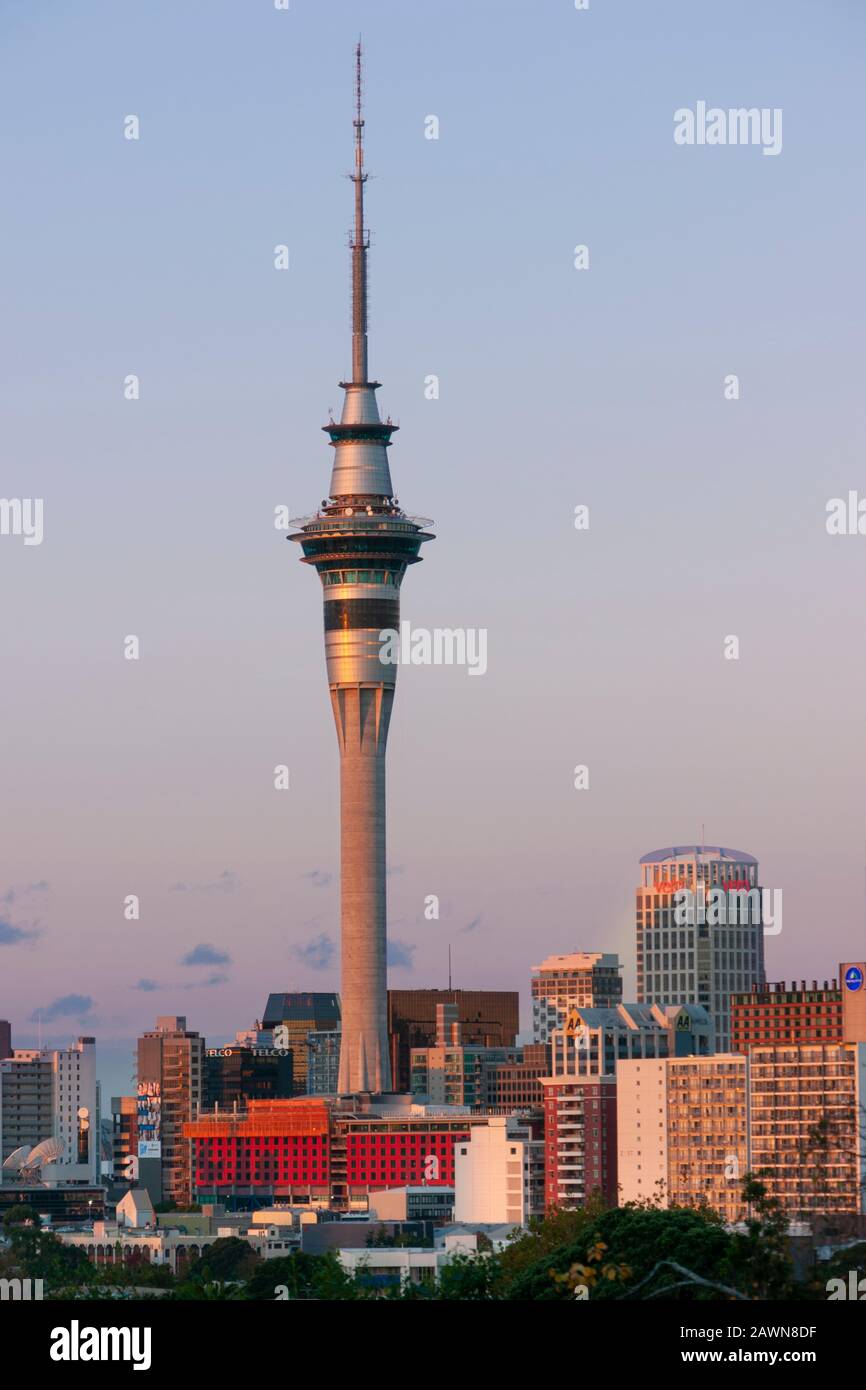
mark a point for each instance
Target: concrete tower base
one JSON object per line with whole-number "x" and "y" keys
{"x": 362, "y": 714}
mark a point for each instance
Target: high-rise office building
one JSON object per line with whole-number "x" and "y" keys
{"x": 5, "y": 1038}
{"x": 290, "y": 1018}
{"x": 454, "y": 1073}
{"x": 323, "y": 1062}
{"x": 704, "y": 949}
{"x": 235, "y": 1074}
{"x": 170, "y": 1092}
{"x": 583, "y": 979}
{"x": 515, "y": 1082}
{"x": 487, "y": 1018}
{"x": 361, "y": 543}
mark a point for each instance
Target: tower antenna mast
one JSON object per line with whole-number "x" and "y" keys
{"x": 359, "y": 243}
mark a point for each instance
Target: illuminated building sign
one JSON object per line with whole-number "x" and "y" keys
{"x": 247, "y": 1052}
{"x": 149, "y": 1116}
{"x": 676, "y": 885}
{"x": 853, "y": 977}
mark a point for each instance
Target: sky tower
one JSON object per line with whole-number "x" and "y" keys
{"x": 361, "y": 542}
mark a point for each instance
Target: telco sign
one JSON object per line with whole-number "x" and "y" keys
{"x": 853, "y": 977}
{"x": 247, "y": 1051}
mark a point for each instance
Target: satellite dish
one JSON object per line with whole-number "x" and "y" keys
{"x": 46, "y": 1152}
{"x": 16, "y": 1159}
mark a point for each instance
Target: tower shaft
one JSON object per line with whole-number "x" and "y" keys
{"x": 361, "y": 714}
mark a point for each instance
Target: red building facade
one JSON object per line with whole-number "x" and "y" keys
{"x": 310, "y": 1151}
{"x": 776, "y": 1014}
{"x": 580, "y": 1154}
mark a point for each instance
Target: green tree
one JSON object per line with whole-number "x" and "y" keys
{"x": 208, "y": 1291}
{"x": 40, "y": 1255}
{"x": 470, "y": 1277}
{"x": 21, "y": 1214}
{"x": 641, "y": 1237}
{"x": 560, "y": 1227}
{"x": 304, "y": 1276}
{"x": 228, "y": 1258}
{"x": 758, "y": 1261}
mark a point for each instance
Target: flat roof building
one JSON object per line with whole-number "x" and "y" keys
{"x": 779, "y": 1013}
{"x": 807, "y": 1104}
{"x": 292, "y": 1017}
{"x": 582, "y": 979}
{"x": 487, "y": 1017}
{"x": 699, "y": 929}
{"x": 52, "y": 1094}
{"x": 499, "y": 1174}
{"x": 682, "y": 1131}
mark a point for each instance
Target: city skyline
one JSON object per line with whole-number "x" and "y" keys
{"x": 156, "y": 778}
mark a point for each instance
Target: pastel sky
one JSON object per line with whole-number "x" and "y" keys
{"x": 558, "y": 387}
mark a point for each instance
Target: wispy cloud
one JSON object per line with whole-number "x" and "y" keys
{"x": 227, "y": 882}
{"x": 12, "y": 893}
{"x": 400, "y": 954}
{"x": 320, "y": 878}
{"x": 317, "y": 953}
{"x": 149, "y": 986}
{"x": 67, "y": 1006}
{"x": 204, "y": 954}
{"x": 10, "y": 935}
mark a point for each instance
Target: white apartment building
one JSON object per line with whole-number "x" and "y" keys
{"x": 499, "y": 1174}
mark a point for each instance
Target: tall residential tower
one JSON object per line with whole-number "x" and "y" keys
{"x": 360, "y": 542}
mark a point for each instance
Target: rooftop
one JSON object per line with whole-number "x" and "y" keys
{"x": 700, "y": 852}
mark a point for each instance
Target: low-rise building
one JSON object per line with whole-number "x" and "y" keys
{"x": 383, "y": 1266}
{"x": 419, "y": 1203}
